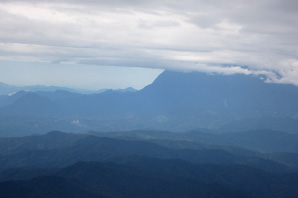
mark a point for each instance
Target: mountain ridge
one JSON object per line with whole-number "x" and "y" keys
{"x": 177, "y": 101}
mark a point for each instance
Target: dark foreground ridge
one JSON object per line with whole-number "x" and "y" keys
{"x": 149, "y": 177}
{"x": 141, "y": 164}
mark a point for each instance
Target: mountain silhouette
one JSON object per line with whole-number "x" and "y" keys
{"x": 174, "y": 101}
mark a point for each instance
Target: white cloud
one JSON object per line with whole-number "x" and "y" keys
{"x": 182, "y": 35}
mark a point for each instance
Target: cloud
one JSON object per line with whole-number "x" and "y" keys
{"x": 250, "y": 37}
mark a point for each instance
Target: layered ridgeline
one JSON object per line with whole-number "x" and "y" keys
{"x": 144, "y": 164}
{"x": 6, "y": 89}
{"x": 174, "y": 101}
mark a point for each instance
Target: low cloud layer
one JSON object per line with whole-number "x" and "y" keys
{"x": 255, "y": 37}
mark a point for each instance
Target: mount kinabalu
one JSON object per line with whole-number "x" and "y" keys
{"x": 174, "y": 101}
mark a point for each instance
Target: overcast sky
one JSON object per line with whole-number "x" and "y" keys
{"x": 119, "y": 43}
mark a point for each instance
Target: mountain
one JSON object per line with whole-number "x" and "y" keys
{"x": 238, "y": 154}
{"x": 213, "y": 100}
{"x": 261, "y": 140}
{"x": 54, "y": 147}
{"x": 6, "y": 89}
{"x": 58, "y": 94}
{"x": 148, "y": 177}
{"x": 6, "y": 100}
{"x": 82, "y": 165}
{"x": 58, "y": 149}
{"x": 174, "y": 101}
{"x": 112, "y": 180}
{"x": 32, "y": 104}
{"x": 51, "y": 140}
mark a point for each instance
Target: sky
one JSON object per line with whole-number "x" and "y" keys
{"x": 98, "y": 44}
